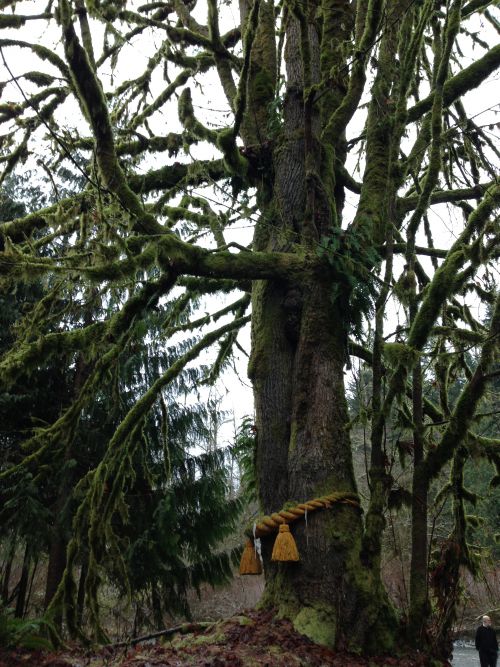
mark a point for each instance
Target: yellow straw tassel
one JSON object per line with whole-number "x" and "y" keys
{"x": 250, "y": 562}
{"x": 285, "y": 548}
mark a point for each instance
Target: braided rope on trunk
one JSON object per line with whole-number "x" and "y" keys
{"x": 271, "y": 524}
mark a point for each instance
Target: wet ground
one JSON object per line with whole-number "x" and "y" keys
{"x": 465, "y": 656}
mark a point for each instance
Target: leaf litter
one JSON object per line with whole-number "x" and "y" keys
{"x": 255, "y": 639}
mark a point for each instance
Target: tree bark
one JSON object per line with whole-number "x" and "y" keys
{"x": 56, "y": 566}
{"x": 23, "y": 584}
{"x": 80, "y": 599}
{"x": 59, "y": 539}
{"x": 8, "y": 568}
{"x": 297, "y": 370}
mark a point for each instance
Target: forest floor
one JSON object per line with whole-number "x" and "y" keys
{"x": 251, "y": 640}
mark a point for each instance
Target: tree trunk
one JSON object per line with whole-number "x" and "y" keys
{"x": 23, "y": 585}
{"x": 30, "y": 589}
{"x": 298, "y": 355}
{"x": 59, "y": 539}
{"x": 304, "y": 452}
{"x": 8, "y": 569}
{"x": 56, "y": 566}
{"x": 156, "y": 605}
{"x": 80, "y": 599}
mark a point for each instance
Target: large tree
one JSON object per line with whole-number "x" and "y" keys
{"x": 311, "y": 94}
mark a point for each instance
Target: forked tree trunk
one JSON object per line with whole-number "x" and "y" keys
{"x": 304, "y": 452}
{"x": 297, "y": 370}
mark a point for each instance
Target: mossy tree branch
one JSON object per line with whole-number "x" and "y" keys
{"x": 469, "y": 78}
{"x": 463, "y": 413}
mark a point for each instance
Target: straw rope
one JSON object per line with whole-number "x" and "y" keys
{"x": 270, "y": 524}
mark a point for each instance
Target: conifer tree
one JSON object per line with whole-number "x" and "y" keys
{"x": 178, "y": 498}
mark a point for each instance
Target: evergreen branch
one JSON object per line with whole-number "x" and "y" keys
{"x": 106, "y": 485}
{"x": 21, "y": 228}
{"x": 145, "y": 403}
{"x": 243, "y": 302}
{"x": 27, "y": 356}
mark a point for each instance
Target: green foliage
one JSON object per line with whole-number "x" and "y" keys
{"x": 29, "y": 634}
{"x": 177, "y": 528}
{"x": 275, "y": 111}
{"x": 162, "y": 509}
{"x": 353, "y": 258}
{"x": 243, "y": 450}
{"x": 399, "y": 353}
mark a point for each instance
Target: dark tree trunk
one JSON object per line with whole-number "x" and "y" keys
{"x": 30, "y": 589}
{"x": 8, "y": 570}
{"x": 59, "y": 538}
{"x": 297, "y": 369}
{"x": 23, "y": 585}
{"x": 56, "y": 566}
{"x": 156, "y": 605}
{"x": 80, "y": 600}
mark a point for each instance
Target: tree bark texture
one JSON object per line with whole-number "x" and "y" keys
{"x": 297, "y": 370}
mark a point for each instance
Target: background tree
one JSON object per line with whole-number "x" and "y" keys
{"x": 370, "y": 88}
{"x": 178, "y": 495}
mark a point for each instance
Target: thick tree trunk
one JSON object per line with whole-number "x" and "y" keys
{"x": 299, "y": 341}
{"x": 304, "y": 452}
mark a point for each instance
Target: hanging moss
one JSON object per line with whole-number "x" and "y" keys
{"x": 400, "y": 354}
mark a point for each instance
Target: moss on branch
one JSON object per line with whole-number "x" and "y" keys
{"x": 468, "y": 79}
{"x": 463, "y": 413}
